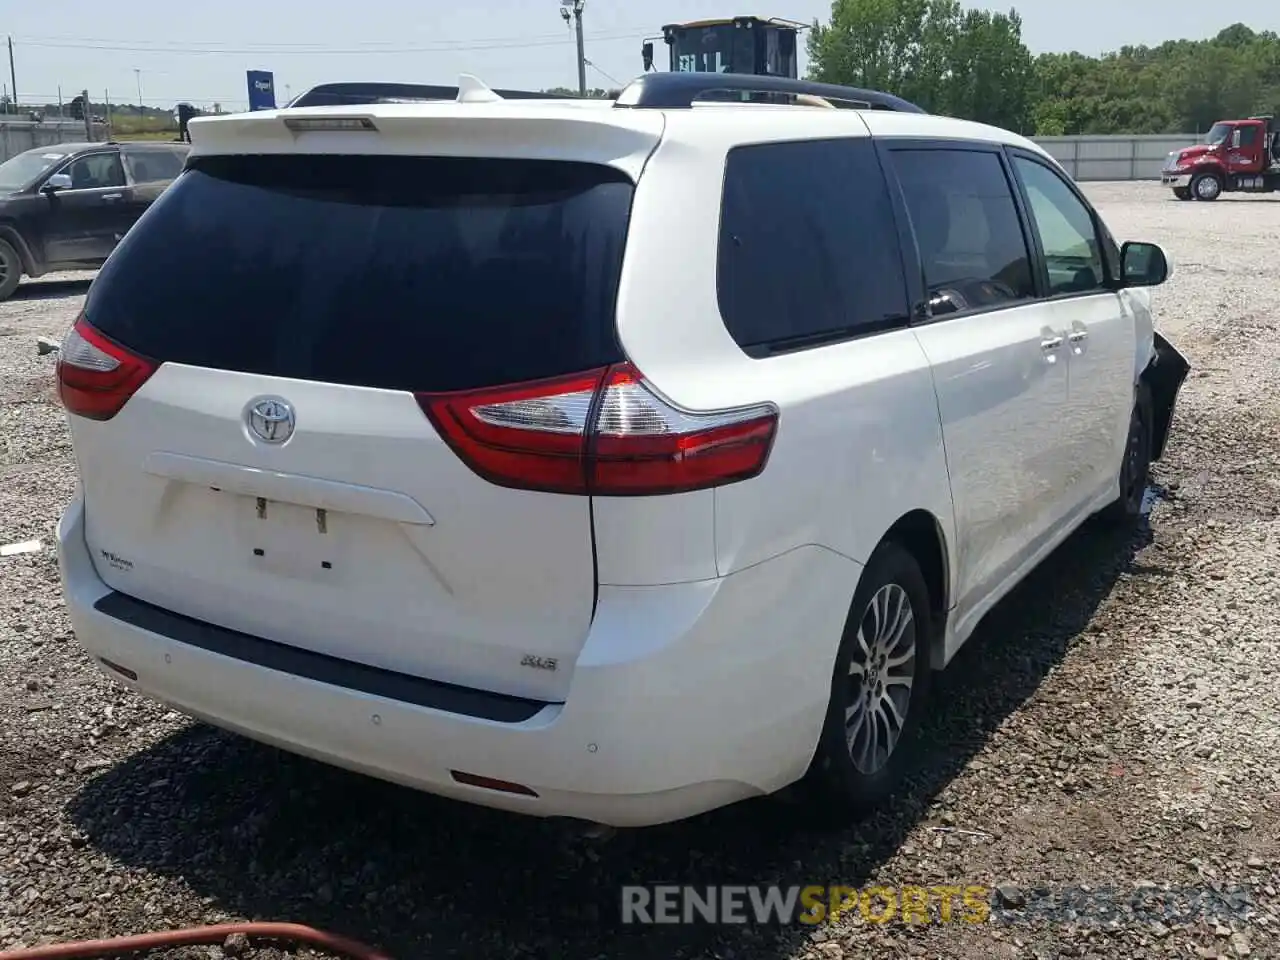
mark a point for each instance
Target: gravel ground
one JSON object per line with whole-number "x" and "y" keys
{"x": 1109, "y": 739}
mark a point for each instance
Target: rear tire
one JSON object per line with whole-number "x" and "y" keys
{"x": 1135, "y": 466}
{"x": 1206, "y": 186}
{"x": 10, "y": 270}
{"x": 1182, "y": 193}
{"x": 878, "y": 690}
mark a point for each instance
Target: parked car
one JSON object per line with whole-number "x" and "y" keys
{"x": 610, "y": 461}
{"x": 66, "y": 207}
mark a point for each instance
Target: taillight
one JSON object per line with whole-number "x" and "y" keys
{"x": 96, "y": 377}
{"x": 605, "y": 433}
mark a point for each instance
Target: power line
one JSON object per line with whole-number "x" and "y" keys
{"x": 459, "y": 47}
{"x": 612, "y": 79}
{"x": 273, "y": 45}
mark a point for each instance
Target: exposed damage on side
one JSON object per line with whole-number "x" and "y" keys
{"x": 1164, "y": 376}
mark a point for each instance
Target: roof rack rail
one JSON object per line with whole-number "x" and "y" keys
{"x": 360, "y": 92}
{"x": 679, "y": 90}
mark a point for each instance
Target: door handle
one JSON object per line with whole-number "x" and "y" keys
{"x": 112, "y": 196}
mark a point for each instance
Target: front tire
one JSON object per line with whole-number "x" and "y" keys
{"x": 1206, "y": 186}
{"x": 878, "y": 689}
{"x": 1182, "y": 193}
{"x": 10, "y": 270}
{"x": 1135, "y": 466}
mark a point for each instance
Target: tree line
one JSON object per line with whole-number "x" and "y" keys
{"x": 973, "y": 64}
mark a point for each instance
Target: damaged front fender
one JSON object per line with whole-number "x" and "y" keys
{"x": 1164, "y": 377}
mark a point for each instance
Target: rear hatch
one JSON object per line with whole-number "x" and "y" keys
{"x": 277, "y": 474}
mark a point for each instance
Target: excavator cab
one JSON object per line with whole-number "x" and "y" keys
{"x": 746, "y": 45}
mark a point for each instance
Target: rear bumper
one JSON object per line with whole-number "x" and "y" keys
{"x": 685, "y": 698}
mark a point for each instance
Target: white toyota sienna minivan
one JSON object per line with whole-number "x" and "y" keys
{"x": 610, "y": 460}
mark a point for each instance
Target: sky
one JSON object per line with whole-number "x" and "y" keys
{"x": 173, "y": 52}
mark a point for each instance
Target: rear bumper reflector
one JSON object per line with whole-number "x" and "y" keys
{"x": 488, "y": 783}
{"x": 319, "y": 667}
{"x": 123, "y": 671}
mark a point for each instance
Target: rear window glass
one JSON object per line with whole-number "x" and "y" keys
{"x": 403, "y": 273}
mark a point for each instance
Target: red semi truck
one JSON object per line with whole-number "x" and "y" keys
{"x": 1241, "y": 155}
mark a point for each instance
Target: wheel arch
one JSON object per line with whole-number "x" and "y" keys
{"x": 921, "y": 534}
{"x": 10, "y": 234}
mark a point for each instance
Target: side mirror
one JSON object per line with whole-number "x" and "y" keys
{"x": 59, "y": 181}
{"x": 646, "y": 52}
{"x": 1143, "y": 265}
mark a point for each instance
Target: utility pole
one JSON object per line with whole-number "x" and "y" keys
{"x": 13, "y": 76}
{"x": 138, "y": 74}
{"x": 88, "y": 117}
{"x": 573, "y": 9}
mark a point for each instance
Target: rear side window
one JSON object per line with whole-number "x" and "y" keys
{"x": 402, "y": 273}
{"x": 808, "y": 246}
{"x": 148, "y": 166}
{"x": 972, "y": 248}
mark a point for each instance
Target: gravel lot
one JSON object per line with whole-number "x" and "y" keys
{"x": 1114, "y": 727}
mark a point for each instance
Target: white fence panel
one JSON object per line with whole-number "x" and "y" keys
{"x": 19, "y": 135}
{"x": 1118, "y": 157}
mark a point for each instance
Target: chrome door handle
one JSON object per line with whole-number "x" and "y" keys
{"x": 112, "y": 196}
{"x": 1051, "y": 343}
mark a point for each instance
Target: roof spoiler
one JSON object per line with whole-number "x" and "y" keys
{"x": 469, "y": 90}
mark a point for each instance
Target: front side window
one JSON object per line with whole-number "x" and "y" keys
{"x": 1246, "y": 136}
{"x": 1066, "y": 230}
{"x": 808, "y": 246}
{"x": 96, "y": 171}
{"x": 972, "y": 249}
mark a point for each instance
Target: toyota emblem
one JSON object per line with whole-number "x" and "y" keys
{"x": 270, "y": 419}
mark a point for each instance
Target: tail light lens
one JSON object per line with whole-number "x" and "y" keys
{"x": 96, "y": 377}
{"x": 603, "y": 433}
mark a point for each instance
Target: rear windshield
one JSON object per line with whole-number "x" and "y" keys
{"x": 403, "y": 273}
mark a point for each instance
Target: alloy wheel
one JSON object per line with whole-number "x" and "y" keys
{"x": 881, "y": 674}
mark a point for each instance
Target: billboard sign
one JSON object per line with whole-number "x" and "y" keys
{"x": 262, "y": 90}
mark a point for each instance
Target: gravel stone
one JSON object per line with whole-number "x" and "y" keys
{"x": 1106, "y": 743}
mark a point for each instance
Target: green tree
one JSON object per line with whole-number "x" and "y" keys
{"x": 968, "y": 64}
{"x": 973, "y": 64}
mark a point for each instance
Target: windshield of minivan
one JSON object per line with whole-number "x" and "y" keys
{"x": 17, "y": 172}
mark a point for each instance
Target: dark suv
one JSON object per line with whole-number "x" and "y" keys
{"x": 65, "y": 207}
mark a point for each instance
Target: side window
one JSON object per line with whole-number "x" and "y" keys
{"x": 1248, "y": 136}
{"x": 148, "y": 166}
{"x": 972, "y": 249}
{"x": 96, "y": 171}
{"x": 1066, "y": 230}
{"x": 808, "y": 245}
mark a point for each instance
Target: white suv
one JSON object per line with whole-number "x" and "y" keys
{"x": 611, "y": 461}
